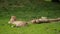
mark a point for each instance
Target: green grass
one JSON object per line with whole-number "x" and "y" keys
{"x": 45, "y": 28}
{"x": 27, "y": 10}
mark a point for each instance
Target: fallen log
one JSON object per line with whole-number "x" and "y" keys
{"x": 44, "y": 20}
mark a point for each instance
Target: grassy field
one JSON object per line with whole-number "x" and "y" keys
{"x": 27, "y": 10}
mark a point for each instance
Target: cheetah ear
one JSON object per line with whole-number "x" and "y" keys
{"x": 13, "y": 16}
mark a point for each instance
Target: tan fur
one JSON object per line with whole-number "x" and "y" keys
{"x": 15, "y": 22}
